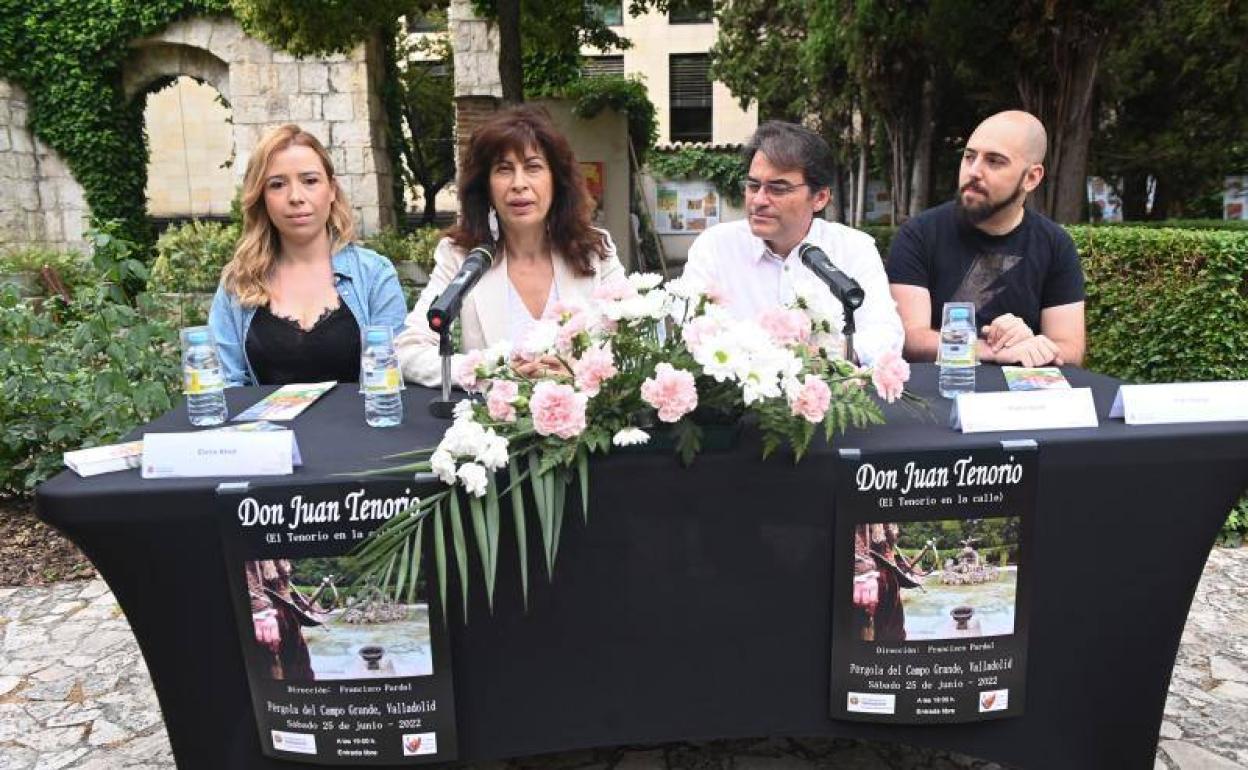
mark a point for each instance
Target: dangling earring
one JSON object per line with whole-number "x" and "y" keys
{"x": 492, "y": 219}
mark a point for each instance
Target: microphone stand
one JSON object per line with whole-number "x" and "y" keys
{"x": 444, "y": 408}
{"x": 849, "y": 333}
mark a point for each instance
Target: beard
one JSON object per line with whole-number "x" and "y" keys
{"x": 988, "y": 208}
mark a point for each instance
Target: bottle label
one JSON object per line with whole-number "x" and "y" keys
{"x": 956, "y": 354}
{"x": 196, "y": 382}
{"x": 380, "y": 381}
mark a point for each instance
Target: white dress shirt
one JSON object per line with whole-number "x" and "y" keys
{"x": 752, "y": 278}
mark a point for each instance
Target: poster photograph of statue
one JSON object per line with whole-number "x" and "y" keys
{"x": 935, "y": 579}
{"x": 313, "y": 623}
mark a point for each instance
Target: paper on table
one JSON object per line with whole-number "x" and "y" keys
{"x": 285, "y": 403}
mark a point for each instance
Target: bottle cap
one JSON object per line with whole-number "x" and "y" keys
{"x": 376, "y": 336}
{"x": 197, "y": 337}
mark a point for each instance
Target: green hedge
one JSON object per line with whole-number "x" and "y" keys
{"x": 1166, "y": 305}
{"x": 76, "y": 375}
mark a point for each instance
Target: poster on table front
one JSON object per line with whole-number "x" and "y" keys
{"x": 686, "y": 207}
{"x": 931, "y": 584}
{"x": 342, "y": 672}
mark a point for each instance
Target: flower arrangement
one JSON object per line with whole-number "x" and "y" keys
{"x": 642, "y": 357}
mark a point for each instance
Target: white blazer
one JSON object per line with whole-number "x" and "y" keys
{"x": 483, "y": 317}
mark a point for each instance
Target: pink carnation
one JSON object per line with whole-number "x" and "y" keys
{"x": 671, "y": 391}
{"x": 558, "y": 410}
{"x": 699, "y": 330}
{"x": 715, "y": 294}
{"x": 785, "y": 326}
{"x": 615, "y": 290}
{"x": 811, "y": 400}
{"x": 889, "y": 375}
{"x": 576, "y": 323}
{"x": 466, "y": 369}
{"x": 594, "y": 368}
{"x": 499, "y": 401}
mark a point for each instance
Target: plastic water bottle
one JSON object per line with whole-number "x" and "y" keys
{"x": 379, "y": 380}
{"x": 958, "y": 342}
{"x": 201, "y": 379}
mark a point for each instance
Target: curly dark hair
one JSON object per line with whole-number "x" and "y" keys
{"x": 517, "y": 129}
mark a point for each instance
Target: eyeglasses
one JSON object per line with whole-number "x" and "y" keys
{"x": 774, "y": 189}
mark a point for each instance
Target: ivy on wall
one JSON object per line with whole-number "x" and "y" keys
{"x": 723, "y": 168}
{"x": 627, "y": 96}
{"x": 67, "y": 57}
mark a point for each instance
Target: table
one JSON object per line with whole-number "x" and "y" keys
{"x": 695, "y": 603}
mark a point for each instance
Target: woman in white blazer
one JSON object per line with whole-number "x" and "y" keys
{"x": 520, "y": 188}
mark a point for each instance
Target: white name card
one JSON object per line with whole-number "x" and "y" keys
{"x": 217, "y": 453}
{"x": 1024, "y": 410}
{"x": 1181, "y": 402}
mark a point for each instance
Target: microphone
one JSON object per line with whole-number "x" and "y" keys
{"x": 844, "y": 288}
{"x": 445, "y": 308}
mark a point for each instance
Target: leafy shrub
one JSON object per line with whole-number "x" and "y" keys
{"x": 75, "y": 375}
{"x": 74, "y": 268}
{"x": 883, "y": 235}
{"x": 118, "y": 258}
{"x": 189, "y": 257}
{"x": 417, "y": 246}
{"x": 1183, "y": 224}
{"x": 627, "y": 96}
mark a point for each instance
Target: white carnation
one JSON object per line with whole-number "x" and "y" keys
{"x": 541, "y": 337}
{"x": 463, "y": 410}
{"x": 493, "y": 451}
{"x": 630, "y": 437}
{"x": 685, "y": 287}
{"x": 645, "y": 281}
{"x": 443, "y": 466}
{"x": 474, "y": 479}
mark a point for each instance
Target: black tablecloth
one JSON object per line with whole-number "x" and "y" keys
{"x": 695, "y": 604}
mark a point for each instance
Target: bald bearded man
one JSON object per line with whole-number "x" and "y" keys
{"x": 1019, "y": 268}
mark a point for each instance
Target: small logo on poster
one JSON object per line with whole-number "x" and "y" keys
{"x": 872, "y": 703}
{"x": 297, "y": 743}
{"x": 994, "y": 700}
{"x": 415, "y": 744}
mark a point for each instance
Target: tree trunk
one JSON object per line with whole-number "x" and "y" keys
{"x": 1163, "y": 199}
{"x": 1065, "y": 108}
{"x": 836, "y": 208}
{"x": 1135, "y": 196}
{"x": 860, "y": 189}
{"x": 510, "y": 66}
{"x": 921, "y": 171}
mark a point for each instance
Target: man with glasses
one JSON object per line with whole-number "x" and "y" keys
{"x": 1019, "y": 268}
{"x": 754, "y": 264}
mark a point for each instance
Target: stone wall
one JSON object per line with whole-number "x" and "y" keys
{"x": 478, "y": 87}
{"x": 40, "y": 203}
{"x": 336, "y": 98}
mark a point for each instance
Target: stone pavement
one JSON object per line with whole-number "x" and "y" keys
{"x": 74, "y": 693}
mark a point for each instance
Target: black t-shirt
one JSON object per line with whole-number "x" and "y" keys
{"x": 281, "y": 352}
{"x": 1034, "y": 266}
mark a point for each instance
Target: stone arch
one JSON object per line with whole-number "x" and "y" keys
{"x": 154, "y": 63}
{"x": 336, "y": 98}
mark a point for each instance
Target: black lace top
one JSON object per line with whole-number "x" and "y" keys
{"x": 281, "y": 352}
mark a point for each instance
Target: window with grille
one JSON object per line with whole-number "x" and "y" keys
{"x": 606, "y": 11}
{"x": 689, "y": 12}
{"x": 690, "y": 87}
{"x": 602, "y": 66}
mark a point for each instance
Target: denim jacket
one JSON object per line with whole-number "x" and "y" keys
{"x": 366, "y": 282}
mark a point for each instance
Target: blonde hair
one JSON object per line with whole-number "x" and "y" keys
{"x": 260, "y": 245}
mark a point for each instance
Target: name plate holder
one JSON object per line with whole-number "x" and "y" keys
{"x": 1024, "y": 410}
{"x": 1176, "y": 402}
{"x": 218, "y": 453}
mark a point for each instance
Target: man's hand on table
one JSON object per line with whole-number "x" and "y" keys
{"x": 1006, "y": 330}
{"x": 1033, "y": 351}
